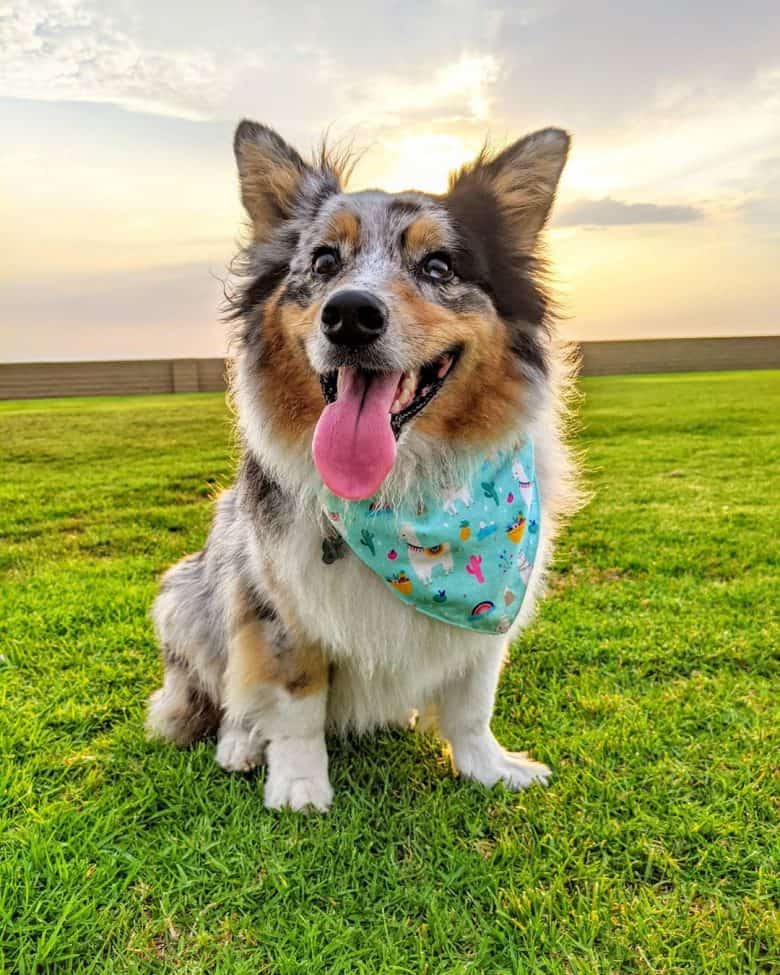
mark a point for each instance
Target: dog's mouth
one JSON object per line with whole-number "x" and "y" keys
{"x": 354, "y": 444}
{"x": 413, "y": 392}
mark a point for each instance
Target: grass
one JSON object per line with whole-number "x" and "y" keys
{"x": 648, "y": 683}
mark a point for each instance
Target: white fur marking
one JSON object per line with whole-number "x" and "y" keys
{"x": 237, "y": 749}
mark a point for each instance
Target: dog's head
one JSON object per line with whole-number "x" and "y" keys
{"x": 371, "y": 317}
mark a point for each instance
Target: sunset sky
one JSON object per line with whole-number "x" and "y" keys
{"x": 118, "y": 201}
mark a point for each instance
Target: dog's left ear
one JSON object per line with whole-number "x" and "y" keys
{"x": 521, "y": 180}
{"x": 274, "y": 177}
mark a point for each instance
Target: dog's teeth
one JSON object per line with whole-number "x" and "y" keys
{"x": 406, "y": 391}
{"x": 444, "y": 366}
{"x": 409, "y": 387}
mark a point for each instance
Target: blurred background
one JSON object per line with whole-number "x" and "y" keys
{"x": 119, "y": 204}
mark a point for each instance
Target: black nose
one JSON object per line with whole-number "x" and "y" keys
{"x": 353, "y": 318}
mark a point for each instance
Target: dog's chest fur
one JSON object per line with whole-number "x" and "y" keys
{"x": 388, "y": 658}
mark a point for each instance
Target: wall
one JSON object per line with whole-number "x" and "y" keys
{"x": 27, "y": 380}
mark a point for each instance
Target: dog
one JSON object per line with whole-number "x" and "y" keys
{"x": 433, "y": 309}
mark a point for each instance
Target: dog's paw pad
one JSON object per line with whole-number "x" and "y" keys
{"x": 299, "y": 795}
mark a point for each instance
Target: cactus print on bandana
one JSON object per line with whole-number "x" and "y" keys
{"x": 464, "y": 558}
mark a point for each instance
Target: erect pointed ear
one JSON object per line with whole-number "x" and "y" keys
{"x": 521, "y": 180}
{"x": 274, "y": 177}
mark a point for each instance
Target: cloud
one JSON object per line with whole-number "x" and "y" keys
{"x": 671, "y": 103}
{"x": 306, "y": 74}
{"x": 615, "y": 213}
{"x": 461, "y": 90}
{"x": 67, "y": 50}
{"x": 602, "y": 65}
{"x": 762, "y": 212}
{"x": 763, "y": 177}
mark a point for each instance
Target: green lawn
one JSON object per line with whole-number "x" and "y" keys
{"x": 648, "y": 683}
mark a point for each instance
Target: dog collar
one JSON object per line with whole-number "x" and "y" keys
{"x": 463, "y": 556}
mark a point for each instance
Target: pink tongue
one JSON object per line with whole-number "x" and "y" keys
{"x": 354, "y": 446}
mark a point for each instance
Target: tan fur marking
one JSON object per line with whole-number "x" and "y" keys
{"x": 482, "y": 399}
{"x": 524, "y": 184}
{"x": 289, "y": 390}
{"x": 253, "y": 661}
{"x": 423, "y": 236}
{"x": 526, "y": 203}
{"x": 478, "y": 403}
{"x": 344, "y": 227}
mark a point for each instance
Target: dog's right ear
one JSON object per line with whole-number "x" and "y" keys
{"x": 273, "y": 176}
{"x": 521, "y": 180}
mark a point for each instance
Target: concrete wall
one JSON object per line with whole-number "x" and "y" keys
{"x": 27, "y": 380}
{"x": 680, "y": 355}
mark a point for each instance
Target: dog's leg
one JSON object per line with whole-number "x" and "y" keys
{"x": 186, "y": 707}
{"x": 180, "y": 711}
{"x": 465, "y": 710}
{"x": 275, "y": 694}
{"x": 297, "y": 757}
{"x": 238, "y": 749}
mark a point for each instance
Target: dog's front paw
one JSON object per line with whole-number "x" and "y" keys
{"x": 237, "y": 751}
{"x": 485, "y": 761}
{"x": 283, "y": 791}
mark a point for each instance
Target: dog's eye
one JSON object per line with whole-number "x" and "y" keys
{"x": 437, "y": 266}
{"x": 326, "y": 262}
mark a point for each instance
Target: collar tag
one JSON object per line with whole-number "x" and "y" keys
{"x": 332, "y": 549}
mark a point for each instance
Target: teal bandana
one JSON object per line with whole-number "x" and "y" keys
{"x": 464, "y": 557}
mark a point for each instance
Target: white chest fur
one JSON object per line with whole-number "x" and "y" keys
{"x": 389, "y": 658}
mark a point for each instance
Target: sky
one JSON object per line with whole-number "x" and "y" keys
{"x": 119, "y": 208}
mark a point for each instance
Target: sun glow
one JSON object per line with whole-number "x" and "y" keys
{"x": 428, "y": 127}
{"x": 420, "y": 162}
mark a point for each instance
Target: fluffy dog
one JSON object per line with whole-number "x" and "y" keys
{"x": 428, "y": 312}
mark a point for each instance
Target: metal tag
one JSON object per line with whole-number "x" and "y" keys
{"x": 332, "y": 549}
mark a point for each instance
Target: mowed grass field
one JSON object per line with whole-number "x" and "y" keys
{"x": 648, "y": 683}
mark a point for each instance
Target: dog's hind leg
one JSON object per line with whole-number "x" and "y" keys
{"x": 181, "y": 711}
{"x": 187, "y": 706}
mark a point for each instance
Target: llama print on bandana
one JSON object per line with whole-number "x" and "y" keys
{"x": 462, "y": 494}
{"x": 463, "y": 556}
{"x": 524, "y": 482}
{"x": 424, "y": 559}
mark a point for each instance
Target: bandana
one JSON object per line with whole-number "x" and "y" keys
{"x": 463, "y": 556}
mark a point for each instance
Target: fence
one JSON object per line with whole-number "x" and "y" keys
{"x": 28, "y": 380}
